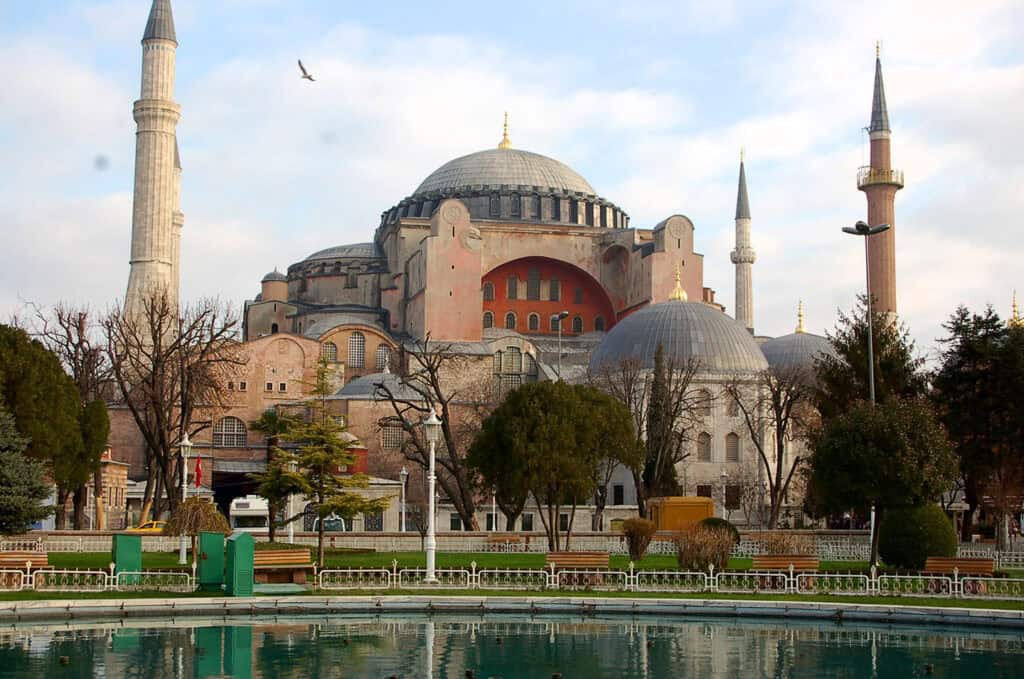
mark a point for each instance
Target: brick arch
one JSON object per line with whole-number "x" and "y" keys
{"x": 595, "y": 299}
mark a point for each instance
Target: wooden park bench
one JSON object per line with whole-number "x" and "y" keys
{"x": 947, "y": 564}
{"x": 282, "y": 566}
{"x": 17, "y": 560}
{"x": 782, "y": 562}
{"x": 504, "y": 543}
{"x": 577, "y": 560}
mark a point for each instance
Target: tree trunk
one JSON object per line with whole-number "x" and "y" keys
{"x": 147, "y": 497}
{"x": 572, "y": 519}
{"x": 271, "y": 524}
{"x": 320, "y": 542}
{"x": 61, "y": 514}
{"x": 967, "y": 527}
{"x": 79, "y": 498}
{"x": 600, "y": 500}
{"x": 641, "y": 497}
{"x": 97, "y": 493}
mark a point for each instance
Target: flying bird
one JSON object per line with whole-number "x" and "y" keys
{"x": 305, "y": 74}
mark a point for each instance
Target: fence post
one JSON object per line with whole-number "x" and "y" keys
{"x": 791, "y": 582}
{"x": 873, "y": 581}
{"x": 631, "y": 579}
{"x": 394, "y": 574}
{"x": 957, "y": 586}
{"x": 553, "y": 580}
{"x": 712, "y": 578}
{"x": 112, "y": 578}
{"x": 473, "y": 577}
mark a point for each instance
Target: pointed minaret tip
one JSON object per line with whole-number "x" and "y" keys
{"x": 742, "y": 201}
{"x": 505, "y": 142}
{"x": 1015, "y": 319}
{"x": 160, "y": 25}
{"x": 800, "y": 317}
{"x": 879, "y": 110}
{"x": 177, "y": 156}
{"x": 678, "y": 294}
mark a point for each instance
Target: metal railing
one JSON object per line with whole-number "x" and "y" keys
{"x": 867, "y": 176}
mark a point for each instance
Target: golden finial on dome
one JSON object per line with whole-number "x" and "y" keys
{"x": 505, "y": 142}
{"x": 678, "y": 294}
{"x": 1015, "y": 319}
{"x": 800, "y": 317}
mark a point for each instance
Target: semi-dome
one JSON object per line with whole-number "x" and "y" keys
{"x": 505, "y": 167}
{"x": 796, "y": 351}
{"x": 686, "y": 330}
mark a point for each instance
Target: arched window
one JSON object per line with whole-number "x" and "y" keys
{"x": 495, "y": 205}
{"x": 510, "y": 321}
{"x": 329, "y": 351}
{"x": 273, "y": 328}
{"x": 732, "y": 448}
{"x": 229, "y": 432}
{"x": 512, "y": 290}
{"x": 554, "y": 323}
{"x": 356, "y": 350}
{"x": 704, "y": 447}
{"x": 488, "y": 320}
{"x": 577, "y": 324}
{"x": 732, "y": 408}
{"x": 517, "y": 205}
{"x": 383, "y": 356}
{"x": 533, "y": 283}
{"x": 512, "y": 360}
{"x": 702, "y": 405}
{"x": 599, "y": 324}
{"x": 488, "y": 291}
{"x": 533, "y": 322}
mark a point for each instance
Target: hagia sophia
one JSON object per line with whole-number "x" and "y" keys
{"x": 484, "y": 256}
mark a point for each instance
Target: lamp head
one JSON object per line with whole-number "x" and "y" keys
{"x": 185, "y": 444}
{"x": 432, "y": 427}
{"x": 404, "y": 474}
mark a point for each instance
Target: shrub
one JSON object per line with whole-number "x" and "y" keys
{"x": 639, "y": 533}
{"x": 721, "y": 524}
{"x": 907, "y": 537}
{"x": 699, "y": 547}
{"x": 194, "y": 515}
{"x": 785, "y": 543}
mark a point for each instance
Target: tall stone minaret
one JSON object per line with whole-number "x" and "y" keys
{"x": 880, "y": 182}
{"x": 156, "y": 214}
{"x": 743, "y": 256}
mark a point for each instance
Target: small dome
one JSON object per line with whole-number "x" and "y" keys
{"x": 686, "y": 330}
{"x": 355, "y": 250}
{"x": 275, "y": 276}
{"x": 798, "y": 350}
{"x": 498, "y": 167}
{"x": 367, "y": 388}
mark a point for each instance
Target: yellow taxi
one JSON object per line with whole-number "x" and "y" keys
{"x": 149, "y": 527}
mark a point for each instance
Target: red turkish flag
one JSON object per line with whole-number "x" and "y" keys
{"x": 199, "y": 471}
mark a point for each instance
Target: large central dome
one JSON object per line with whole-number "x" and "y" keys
{"x": 505, "y": 167}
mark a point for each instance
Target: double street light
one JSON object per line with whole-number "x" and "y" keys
{"x": 862, "y": 229}
{"x": 558, "y": 318}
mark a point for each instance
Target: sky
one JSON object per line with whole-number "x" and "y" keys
{"x": 651, "y": 101}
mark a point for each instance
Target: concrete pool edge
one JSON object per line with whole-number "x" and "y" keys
{"x": 13, "y": 612}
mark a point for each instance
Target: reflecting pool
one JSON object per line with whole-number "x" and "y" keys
{"x": 508, "y": 646}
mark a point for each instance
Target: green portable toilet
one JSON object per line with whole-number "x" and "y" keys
{"x": 210, "y": 562}
{"x": 238, "y": 652}
{"x": 126, "y": 553}
{"x": 241, "y": 553}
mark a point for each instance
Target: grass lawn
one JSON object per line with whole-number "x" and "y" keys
{"x": 101, "y": 560}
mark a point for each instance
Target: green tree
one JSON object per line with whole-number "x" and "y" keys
{"x": 276, "y": 485}
{"x": 94, "y": 423}
{"x": 323, "y": 451}
{"x": 44, "y": 402}
{"x": 557, "y": 436}
{"x": 892, "y": 456}
{"x": 976, "y": 389}
{"x": 22, "y": 486}
{"x": 842, "y": 379}
{"x": 609, "y": 440}
{"x": 502, "y": 473}
{"x": 273, "y": 425}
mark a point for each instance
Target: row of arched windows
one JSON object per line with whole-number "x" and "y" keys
{"x": 356, "y": 352}
{"x": 533, "y": 322}
{"x": 532, "y": 288}
{"x": 732, "y": 447}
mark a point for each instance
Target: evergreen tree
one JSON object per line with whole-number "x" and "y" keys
{"x": 22, "y": 486}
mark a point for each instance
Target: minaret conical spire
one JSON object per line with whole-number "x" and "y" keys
{"x": 1015, "y": 319}
{"x": 742, "y": 201}
{"x": 160, "y": 25}
{"x": 879, "y": 111}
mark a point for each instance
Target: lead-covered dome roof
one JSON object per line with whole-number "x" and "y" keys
{"x": 796, "y": 351}
{"x": 505, "y": 167}
{"x": 686, "y": 330}
{"x": 351, "y": 251}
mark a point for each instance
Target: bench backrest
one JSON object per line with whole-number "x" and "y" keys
{"x": 281, "y": 557}
{"x": 18, "y": 559}
{"x": 578, "y": 559}
{"x": 782, "y": 562}
{"x": 947, "y": 564}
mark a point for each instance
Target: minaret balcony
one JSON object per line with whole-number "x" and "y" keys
{"x": 872, "y": 176}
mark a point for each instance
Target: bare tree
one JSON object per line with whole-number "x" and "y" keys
{"x": 428, "y": 372}
{"x": 168, "y": 363}
{"x": 777, "y": 409}
{"x": 666, "y": 407}
{"x": 74, "y": 335}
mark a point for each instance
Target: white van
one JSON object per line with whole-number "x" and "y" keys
{"x": 248, "y": 514}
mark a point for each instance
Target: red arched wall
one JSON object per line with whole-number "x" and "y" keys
{"x": 595, "y": 301}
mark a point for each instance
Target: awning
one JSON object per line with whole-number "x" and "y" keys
{"x": 239, "y": 466}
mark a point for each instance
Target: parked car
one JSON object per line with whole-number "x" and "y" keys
{"x": 149, "y": 527}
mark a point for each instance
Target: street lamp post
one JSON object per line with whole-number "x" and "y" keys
{"x": 404, "y": 475}
{"x": 725, "y": 479}
{"x": 432, "y": 430}
{"x": 862, "y": 229}
{"x": 558, "y": 318}
{"x": 186, "y": 448}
